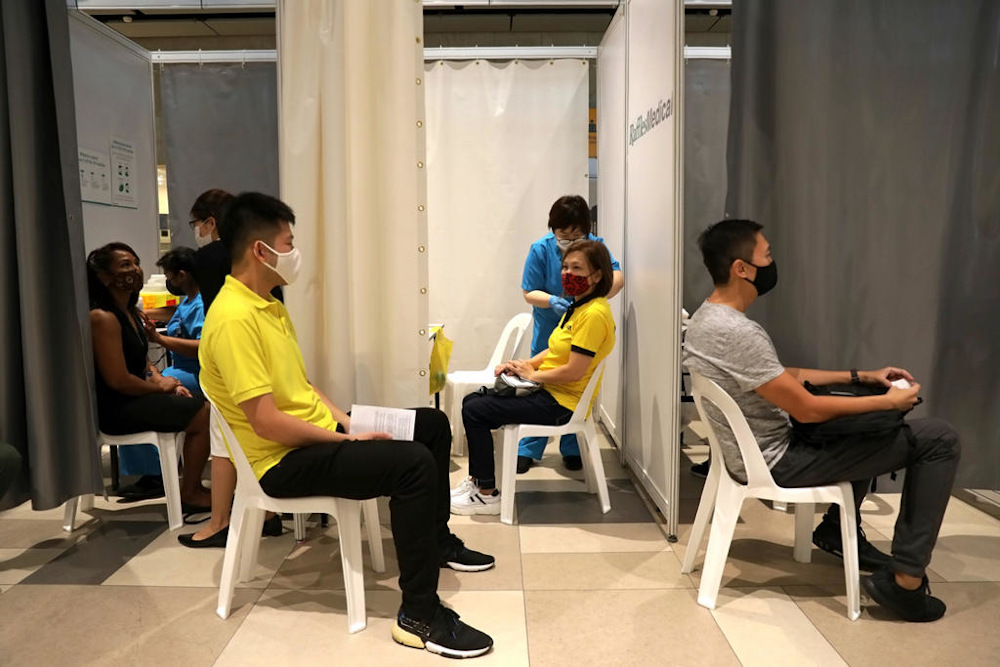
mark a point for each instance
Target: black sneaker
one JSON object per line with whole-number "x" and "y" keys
{"x": 272, "y": 527}
{"x": 145, "y": 488}
{"x": 459, "y": 557}
{"x": 701, "y": 469}
{"x": 524, "y": 464}
{"x": 573, "y": 462}
{"x": 827, "y": 537}
{"x": 917, "y": 606}
{"x": 444, "y": 635}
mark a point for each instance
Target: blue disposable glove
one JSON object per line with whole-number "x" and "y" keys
{"x": 558, "y": 304}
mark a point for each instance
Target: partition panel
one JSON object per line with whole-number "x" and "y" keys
{"x": 611, "y": 77}
{"x": 653, "y": 249}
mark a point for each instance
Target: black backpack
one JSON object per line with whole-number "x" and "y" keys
{"x": 878, "y": 424}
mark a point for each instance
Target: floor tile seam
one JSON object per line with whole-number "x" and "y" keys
{"x": 818, "y": 629}
{"x": 232, "y": 637}
{"x": 589, "y": 553}
{"x": 464, "y": 589}
{"x": 609, "y": 590}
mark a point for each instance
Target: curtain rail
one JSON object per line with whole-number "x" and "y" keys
{"x": 446, "y": 53}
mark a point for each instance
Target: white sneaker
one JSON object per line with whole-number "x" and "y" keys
{"x": 476, "y": 503}
{"x": 464, "y": 488}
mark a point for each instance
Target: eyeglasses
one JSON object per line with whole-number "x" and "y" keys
{"x": 194, "y": 223}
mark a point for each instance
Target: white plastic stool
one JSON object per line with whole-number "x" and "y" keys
{"x": 460, "y": 383}
{"x": 169, "y": 446}
{"x": 723, "y": 497}
{"x": 582, "y": 425}
{"x": 249, "y": 507}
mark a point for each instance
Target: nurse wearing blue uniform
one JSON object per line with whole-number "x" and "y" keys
{"x": 569, "y": 220}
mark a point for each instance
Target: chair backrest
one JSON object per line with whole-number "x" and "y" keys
{"x": 514, "y": 330}
{"x": 758, "y": 474}
{"x": 245, "y": 476}
{"x": 583, "y": 407}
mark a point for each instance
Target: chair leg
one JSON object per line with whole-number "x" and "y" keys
{"x": 727, "y": 512}
{"x": 509, "y": 457}
{"x": 299, "y": 526}
{"x": 69, "y": 514}
{"x": 349, "y": 530}
{"x": 588, "y": 464}
{"x": 168, "y": 447}
{"x": 250, "y": 549}
{"x": 596, "y": 466}
{"x": 86, "y": 502}
{"x": 705, "y": 508}
{"x": 231, "y": 559}
{"x": 370, "y": 510}
{"x": 804, "y": 517}
{"x": 849, "y": 540}
{"x": 454, "y": 404}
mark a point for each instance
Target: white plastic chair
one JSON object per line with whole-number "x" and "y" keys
{"x": 460, "y": 383}
{"x": 582, "y": 425}
{"x": 169, "y": 446}
{"x": 725, "y": 496}
{"x": 249, "y": 506}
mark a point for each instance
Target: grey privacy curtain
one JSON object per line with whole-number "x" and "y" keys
{"x": 706, "y": 124}
{"x": 46, "y": 369}
{"x": 220, "y": 130}
{"x": 866, "y": 137}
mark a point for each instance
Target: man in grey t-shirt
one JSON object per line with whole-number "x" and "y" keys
{"x": 727, "y": 347}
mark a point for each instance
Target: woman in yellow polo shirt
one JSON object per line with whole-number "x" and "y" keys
{"x": 584, "y": 337}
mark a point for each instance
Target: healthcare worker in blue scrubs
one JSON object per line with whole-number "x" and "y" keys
{"x": 569, "y": 220}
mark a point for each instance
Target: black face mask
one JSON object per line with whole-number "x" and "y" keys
{"x": 767, "y": 277}
{"x": 173, "y": 289}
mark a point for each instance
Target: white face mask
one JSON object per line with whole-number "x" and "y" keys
{"x": 288, "y": 265}
{"x": 565, "y": 243}
{"x": 202, "y": 241}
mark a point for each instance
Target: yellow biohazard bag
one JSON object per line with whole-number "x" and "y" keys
{"x": 440, "y": 356}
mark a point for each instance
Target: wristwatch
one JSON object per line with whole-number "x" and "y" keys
{"x": 855, "y": 379}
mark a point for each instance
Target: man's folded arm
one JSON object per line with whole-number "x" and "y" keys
{"x": 270, "y": 423}
{"x": 787, "y": 392}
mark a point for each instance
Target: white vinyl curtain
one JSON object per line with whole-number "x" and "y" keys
{"x": 352, "y": 168}
{"x": 504, "y": 141}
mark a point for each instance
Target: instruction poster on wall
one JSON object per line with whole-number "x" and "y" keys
{"x": 95, "y": 176}
{"x": 123, "y": 173}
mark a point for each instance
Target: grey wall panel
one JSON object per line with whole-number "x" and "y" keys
{"x": 220, "y": 130}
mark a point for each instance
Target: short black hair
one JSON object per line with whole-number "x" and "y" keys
{"x": 177, "y": 260}
{"x": 252, "y": 216}
{"x": 725, "y": 242}
{"x": 569, "y": 212}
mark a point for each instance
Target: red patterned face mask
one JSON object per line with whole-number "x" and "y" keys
{"x": 574, "y": 285}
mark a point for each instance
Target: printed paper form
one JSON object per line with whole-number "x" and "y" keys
{"x": 396, "y": 422}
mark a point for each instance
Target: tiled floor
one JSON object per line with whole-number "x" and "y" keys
{"x": 572, "y": 587}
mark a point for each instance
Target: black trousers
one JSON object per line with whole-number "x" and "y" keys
{"x": 929, "y": 451}
{"x": 415, "y": 477}
{"x": 481, "y": 414}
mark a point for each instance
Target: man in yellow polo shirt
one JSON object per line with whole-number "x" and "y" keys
{"x": 300, "y": 444}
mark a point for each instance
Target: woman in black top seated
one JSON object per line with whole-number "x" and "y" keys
{"x": 132, "y": 395}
